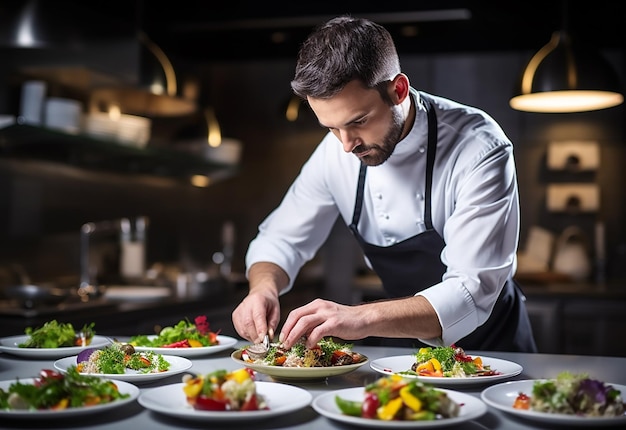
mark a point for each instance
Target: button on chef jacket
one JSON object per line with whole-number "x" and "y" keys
{"x": 475, "y": 209}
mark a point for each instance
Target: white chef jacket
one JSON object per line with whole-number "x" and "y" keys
{"x": 475, "y": 209}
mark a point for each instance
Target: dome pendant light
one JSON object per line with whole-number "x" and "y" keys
{"x": 562, "y": 78}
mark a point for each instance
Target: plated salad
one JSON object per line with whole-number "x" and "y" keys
{"x": 394, "y": 398}
{"x": 52, "y": 390}
{"x": 573, "y": 394}
{"x": 184, "y": 334}
{"x": 223, "y": 391}
{"x": 326, "y": 353}
{"x": 448, "y": 362}
{"x": 54, "y": 334}
{"x": 118, "y": 358}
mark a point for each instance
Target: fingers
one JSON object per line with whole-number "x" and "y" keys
{"x": 307, "y": 321}
{"x": 255, "y": 317}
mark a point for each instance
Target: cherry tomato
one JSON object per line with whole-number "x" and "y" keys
{"x": 209, "y": 404}
{"x": 48, "y": 375}
{"x": 370, "y": 405}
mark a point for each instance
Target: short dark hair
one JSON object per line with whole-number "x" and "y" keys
{"x": 342, "y": 50}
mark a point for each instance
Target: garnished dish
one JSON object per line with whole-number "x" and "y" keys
{"x": 447, "y": 366}
{"x": 448, "y": 362}
{"x": 395, "y": 401}
{"x": 53, "y": 340}
{"x": 327, "y": 358}
{"x": 185, "y": 339}
{"x": 574, "y": 395}
{"x": 184, "y": 334}
{"x": 223, "y": 396}
{"x": 572, "y": 399}
{"x": 54, "y": 394}
{"x": 118, "y": 359}
{"x": 121, "y": 361}
{"x": 58, "y": 335}
{"x": 395, "y": 398}
{"x": 326, "y": 353}
{"x": 224, "y": 391}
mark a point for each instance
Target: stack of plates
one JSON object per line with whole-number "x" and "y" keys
{"x": 127, "y": 129}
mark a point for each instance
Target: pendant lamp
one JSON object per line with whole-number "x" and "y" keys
{"x": 562, "y": 77}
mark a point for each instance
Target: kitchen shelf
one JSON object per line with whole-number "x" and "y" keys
{"x": 31, "y": 142}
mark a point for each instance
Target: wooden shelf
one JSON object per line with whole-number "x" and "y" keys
{"x": 30, "y": 142}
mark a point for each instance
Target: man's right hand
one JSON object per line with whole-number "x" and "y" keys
{"x": 258, "y": 313}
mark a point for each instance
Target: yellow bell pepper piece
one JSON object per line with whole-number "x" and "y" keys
{"x": 436, "y": 364}
{"x": 194, "y": 343}
{"x": 410, "y": 400}
{"x": 478, "y": 362}
{"x": 238, "y": 375}
{"x": 388, "y": 412}
{"x": 193, "y": 387}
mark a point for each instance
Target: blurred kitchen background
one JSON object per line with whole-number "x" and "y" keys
{"x": 107, "y": 189}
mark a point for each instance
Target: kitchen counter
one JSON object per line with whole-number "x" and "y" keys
{"x": 535, "y": 366}
{"x": 126, "y": 317}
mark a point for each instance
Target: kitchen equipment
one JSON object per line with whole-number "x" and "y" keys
{"x": 63, "y": 114}
{"x": 571, "y": 256}
{"x": 30, "y": 296}
{"x": 31, "y": 102}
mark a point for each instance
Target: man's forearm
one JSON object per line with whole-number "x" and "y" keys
{"x": 265, "y": 275}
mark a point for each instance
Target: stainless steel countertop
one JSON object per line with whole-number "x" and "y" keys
{"x": 609, "y": 369}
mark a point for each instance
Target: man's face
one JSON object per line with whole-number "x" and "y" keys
{"x": 365, "y": 124}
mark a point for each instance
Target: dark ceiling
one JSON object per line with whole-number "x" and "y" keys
{"x": 195, "y": 31}
{"x": 205, "y": 31}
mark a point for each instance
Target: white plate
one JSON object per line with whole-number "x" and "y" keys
{"x": 297, "y": 373}
{"x": 177, "y": 365}
{"x": 502, "y": 396}
{"x": 402, "y": 363}
{"x": 123, "y": 387}
{"x": 9, "y": 344}
{"x": 225, "y": 342}
{"x": 471, "y": 408}
{"x": 171, "y": 400}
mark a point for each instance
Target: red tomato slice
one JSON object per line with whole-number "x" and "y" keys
{"x": 209, "y": 404}
{"x": 251, "y": 404}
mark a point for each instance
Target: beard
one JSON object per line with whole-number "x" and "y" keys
{"x": 380, "y": 152}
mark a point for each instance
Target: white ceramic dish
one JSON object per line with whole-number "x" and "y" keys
{"x": 177, "y": 365}
{"x": 10, "y": 345}
{"x": 123, "y": 387}
{"x": 471, "y": 408}
{"x": 225, "y": 342}
{"x": 402, "y": 363}
{"x": 298, "y": 373}
{"x": 170, "y": 400}
{"x": 502, "y": 396}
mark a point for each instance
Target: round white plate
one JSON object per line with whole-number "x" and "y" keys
{"x": 471, "y": 408}
{"x": 502, "y": 396}
{"x": 402, "y": 363}
{"x": 9, "y": 344}
{"x": 123, "y": 387}
{"x": 177, "y": 365}
{"x": 171, "y": 400}
{"x": 225, "y": 342}
{"x": 297, "y": 373}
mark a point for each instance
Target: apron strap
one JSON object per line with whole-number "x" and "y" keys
{"x": 358, "y": 204}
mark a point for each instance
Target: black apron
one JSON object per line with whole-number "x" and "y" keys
{"x": 415, "y": 264}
